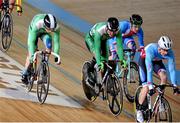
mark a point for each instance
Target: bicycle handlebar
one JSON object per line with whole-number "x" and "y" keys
{"x": 40, "y": 52}
{"x": 164, "y": 85}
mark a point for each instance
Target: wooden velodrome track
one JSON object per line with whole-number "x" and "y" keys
{"x": 160, "y": 17}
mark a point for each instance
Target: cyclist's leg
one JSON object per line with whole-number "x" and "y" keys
{"x": 130, "y": 43}
{"x": 32, "y": 47}
{"x": 11, "y": 5}
{"x": 143, "y": 80}
{"x": 160, "y": 70}
{"x": 112, "y": 48}
{"x": 90, "y": 46}
{"x": 47, "y": 40}
{"x": 142, "y": 95}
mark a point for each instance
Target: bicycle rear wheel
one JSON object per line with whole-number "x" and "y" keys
{"x": 87, "y": 73}
{"x": 7, "y": 32}
{"x": 43, "y": 75}
{"x": 165, "y": 115}
{"x": 114, "y": 94}
{"x": 131, "y": 81}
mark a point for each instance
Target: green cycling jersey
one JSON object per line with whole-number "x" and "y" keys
{"x": 97, "y": 37}
{"x": 36, "y": 29}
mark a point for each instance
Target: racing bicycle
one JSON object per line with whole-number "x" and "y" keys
{"x": 109, "y": 87}
{"x": 40, "y": 74}
{"x": 161, "y": 109}
{"x": 6, "y": 25}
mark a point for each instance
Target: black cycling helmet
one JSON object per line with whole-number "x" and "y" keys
{"x": 50, "y": 21}
{"x": 113, "y": 24}
{"x": 136, "y": 19}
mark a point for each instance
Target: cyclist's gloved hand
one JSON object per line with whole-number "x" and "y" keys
{"x": 151, "y": 92}
{"x": 100, "y": 67}
{"x": 124, "y": 63}
{"x": 56, "y": 61}
{"x": 143, "y": 53}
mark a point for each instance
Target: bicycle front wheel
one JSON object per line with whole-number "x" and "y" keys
{"x": 164, "y": 113}
{"x": 114, "y": 94}
{"x": 7, "y": 32}
{"x": 131, "y": 81}
{"x": 43, "y": 76}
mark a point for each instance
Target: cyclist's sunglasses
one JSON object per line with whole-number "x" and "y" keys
{"x": 114, "y": 30}
{"x": 164, "y": 49}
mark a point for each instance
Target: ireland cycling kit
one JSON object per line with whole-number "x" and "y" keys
{"x": 96, "y": 41}
{"x": 37, "y": 30}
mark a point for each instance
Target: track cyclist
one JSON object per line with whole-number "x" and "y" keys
{"x": 130, "y": 29}
{"x": 45, "y": 27}
{"x": 96, "y": 42}
{"x": 155, "y": 53}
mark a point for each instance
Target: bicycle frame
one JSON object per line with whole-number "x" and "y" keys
{"x": 127, "y": 53}
{"x": 103, "y": 82}
{"x": 159, "y": 97}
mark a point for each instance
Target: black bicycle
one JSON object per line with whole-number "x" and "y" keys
{"x": 161, "y": 109}
{"x": 109, "y": 87}
{"x": 6, "y": 25}
{"x": 40, "y": 74}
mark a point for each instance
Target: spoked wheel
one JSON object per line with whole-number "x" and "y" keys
{"x": 7, "y": 32}
{"x": 164, "y": 113}
{"x": 88, "y": 74}
{"x": 43, "y": 76}
{"x": 114, "y": 94}
{"x": 131, "y": 81}
{"x": 146, "y": 112}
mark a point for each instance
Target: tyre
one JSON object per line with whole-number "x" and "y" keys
{"x": 6, "y": 32}
{"x": 114, "y": 94}
{"x": 131, "y": 81}
{"x": 88, "y": 72}
{"x": 164, "y": 115}
{"x": 43, "y": 77}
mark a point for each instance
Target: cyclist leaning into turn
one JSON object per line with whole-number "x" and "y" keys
{"x": 45, "y": 27}
{"x": 155, "y": 53}
{"x": 129, "y": 29}
{"x": 96, "y": 42}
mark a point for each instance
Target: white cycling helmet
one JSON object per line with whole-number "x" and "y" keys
{"x": 50, "y": 21}
{"x": 165, "y": 42}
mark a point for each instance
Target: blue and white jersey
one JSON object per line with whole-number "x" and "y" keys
{"x": 125, "y": 27}
{"x": 127, "y": 35}
{"x": 152, "y": 54}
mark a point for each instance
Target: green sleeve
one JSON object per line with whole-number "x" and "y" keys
{"x": 56, "y": 39}
{"x": 31, "y": 41}
{"x": 120, "y": 46}
{"x": 97, "y": 45}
